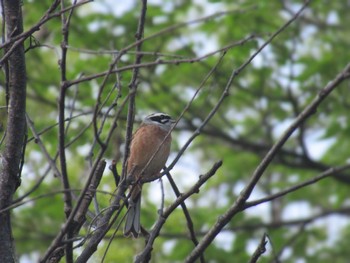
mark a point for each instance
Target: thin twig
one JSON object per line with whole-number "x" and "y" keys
{"x": 261, "y": 249}
{"x": 133, "y": 86}
{"x": 18, "y": 40}
{"x": 239, "y": 204}
{"x": 59, "y": 238}
{"x": 162, "y": 218}
{"x": 80, "y": 217}
{"x": 65, "y": 22}
{"x": 325, "y": 174}
{"x": 144, "y": 180}
{"x": 160, "y": 62}
{"x": 51, "y": 161}
{"x": 186, "y": 213}
{"x": 233, "y": 210}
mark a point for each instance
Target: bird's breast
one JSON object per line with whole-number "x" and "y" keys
{"x": 149, "y": 141}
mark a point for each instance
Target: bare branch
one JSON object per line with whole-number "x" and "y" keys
{"x": 57, "y": 242}
{"x": 104, "y": 224}
{"x": 42, "y": 147}
{"x": 10, "y": 159}
{"x": 145, "y": 254}
{"x": 307, "y": 112}
{"x": 261, "y": 249}
{"x": 239, "y": 204}
{"x": 329, "y": 172}
{"x": 19, "y": 39}
{"x": 159, "y": 62}
{"x": 186, "y": 213}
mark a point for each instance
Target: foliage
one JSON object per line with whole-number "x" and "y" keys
{"x": 264, "y": 98}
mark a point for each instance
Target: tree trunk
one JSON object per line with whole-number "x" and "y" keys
{"x": 12, "y": 151}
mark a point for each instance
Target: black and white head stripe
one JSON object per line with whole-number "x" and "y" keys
{"x": 160, "y": 119}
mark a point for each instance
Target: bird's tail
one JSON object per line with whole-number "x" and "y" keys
{"x": 132, "y": 221}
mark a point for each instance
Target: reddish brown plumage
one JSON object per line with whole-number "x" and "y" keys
{"x": 147, "y": 141}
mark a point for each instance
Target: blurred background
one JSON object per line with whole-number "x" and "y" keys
{"x": 308, "y": 225}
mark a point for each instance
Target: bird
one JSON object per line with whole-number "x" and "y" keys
{"x": 151, "y": 139}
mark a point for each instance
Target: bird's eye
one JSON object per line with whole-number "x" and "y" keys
{"x": 161, "y": 118}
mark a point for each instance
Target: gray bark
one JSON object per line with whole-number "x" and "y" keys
{"x": 10, "y": 158}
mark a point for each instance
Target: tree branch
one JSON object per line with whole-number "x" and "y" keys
{"x": 239, "y": 204}
{"x": 58, "y": 239}
{"x": 144, "y": 256}
{"x": 306, "y": 113}
{"x": 186, "y": 213}
{"x": 261, "y": 249}
{"x": 10, "y": 159}
{"x": 325, "y": 174}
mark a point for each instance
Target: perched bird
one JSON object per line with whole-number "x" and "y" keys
{"x": 148, "y": 138}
